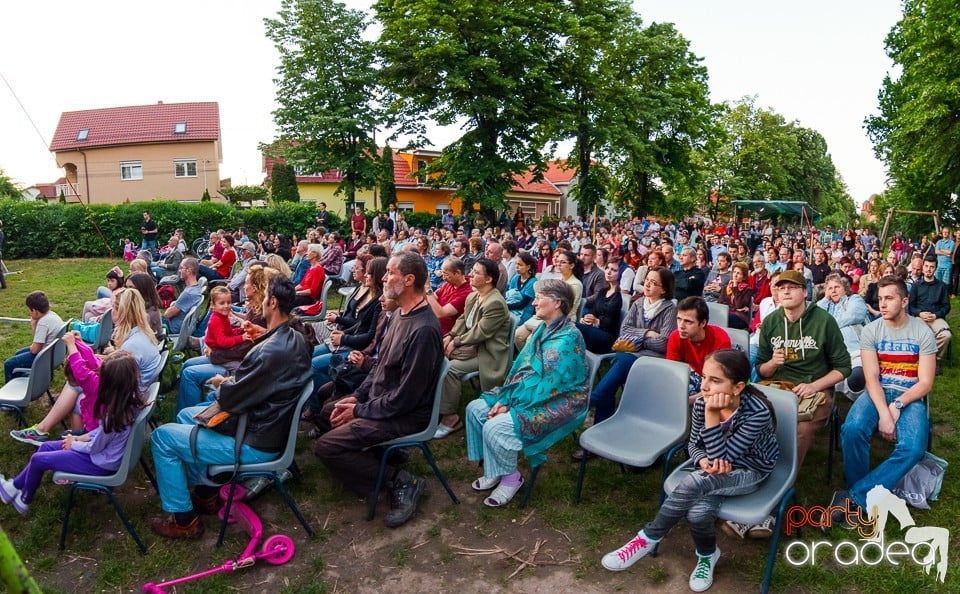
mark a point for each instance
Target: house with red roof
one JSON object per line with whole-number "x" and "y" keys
{"x": 169, "y": 151}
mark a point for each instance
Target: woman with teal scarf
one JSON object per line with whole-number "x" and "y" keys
{"x": 545, "y": 397}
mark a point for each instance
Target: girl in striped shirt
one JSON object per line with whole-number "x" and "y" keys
{"x": 733, "y": 448}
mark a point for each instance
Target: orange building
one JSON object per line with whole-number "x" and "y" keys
{"x": 144, "y": 152}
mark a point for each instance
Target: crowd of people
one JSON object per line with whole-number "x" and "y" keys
{"x": 520, "y": 305}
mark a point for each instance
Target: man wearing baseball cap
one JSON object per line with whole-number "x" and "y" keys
{"x": 248, "y": 254}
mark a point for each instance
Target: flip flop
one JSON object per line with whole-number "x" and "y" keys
{"x": 502, "y": 495}
{"x": 485, "y": 484}
{"x": 445, "y": 430}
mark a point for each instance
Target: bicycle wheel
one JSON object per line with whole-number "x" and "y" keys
{"x": 199, "y": 247}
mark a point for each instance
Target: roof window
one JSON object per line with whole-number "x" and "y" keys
{"x": 180, "y": 128}
{"x": 82, "y": 134}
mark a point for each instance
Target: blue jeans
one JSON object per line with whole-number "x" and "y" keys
{"x": 321, "y": 363}
{"x": 943, "y": 274}
{"x": 604, "y": 395}
{"x": 22, "y": 358}
{"x": 176, "y": 466}
{"x": 103, "y": 292}
{"x": 149, "y": 244}
{"x": 855, "y": 438}
{"x": 193, "y": 376}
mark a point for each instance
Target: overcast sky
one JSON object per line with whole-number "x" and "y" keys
{"x": 820, "y": 63}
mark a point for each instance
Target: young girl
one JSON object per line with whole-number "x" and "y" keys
{"x": 99, "y": 452}
{"x": 733, "y": 446}
{"x": 225, "y": 341}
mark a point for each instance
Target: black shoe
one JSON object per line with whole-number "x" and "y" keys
{"x": 839, "y": 517}
{"x": 406, "y": 493}
{"x": 398, "y": 457}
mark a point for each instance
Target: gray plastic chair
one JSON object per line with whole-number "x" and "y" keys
{"x": 271, "y": 469}
{"x": 324, "y": 292}
{"x": 418, "y": 440}
{"x": 512, "y": 346}
{"x": 739, "y": 339}
{"x": 106, "y": 484}
{"x": 593, "y": 365}
{"x": 20, "y": 391}
{"x": 60, "y": 351}
{"x": 104, "y": 333}
{"x": 775, "y": 493}
{"x": 719, "y": 314}
{"x": 190, "y": 321}
{"x": 655, "y": 406}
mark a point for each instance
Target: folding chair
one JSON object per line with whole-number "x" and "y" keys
{"x": 106, "y": 484}
{"x": 271, "y": 469}
{"x": 739, "y": 339}
{"x": 475, "y": 375}
{"x": 775, "y": 493}
{"x": 327, "y": 284}
{"x": 655, "y": 405}
{"x": 718, "y": 314}
{"x": 190, "y": 322}
{"x": 23, "y": 389}
{"x": 104, "y": 333}
{"x": 418, "y": 440}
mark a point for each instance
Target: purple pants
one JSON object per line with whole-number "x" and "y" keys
{"x": 52, "y": 456}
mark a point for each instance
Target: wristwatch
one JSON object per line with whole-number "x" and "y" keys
{"x": 898, "y": 404}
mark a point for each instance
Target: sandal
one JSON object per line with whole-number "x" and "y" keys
{"x": 485, "y": 484}
{"x": 445, "y": 430}
{"x": 502, "y": 495}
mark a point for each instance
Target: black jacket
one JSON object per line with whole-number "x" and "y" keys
{"x": 267, "y": 385}
{"x": 933, "y": 297}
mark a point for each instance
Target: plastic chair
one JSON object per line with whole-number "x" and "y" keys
{"x": 237, "y": 267}
{"x": 20, "y": 391}
{"x": 104, "y": 333}
{"x": 655, "y": 405}
{"x": 739, "y": 339}
{"x": 418, "y": 440}
{"x": 718, "y": 314}
{"x": 60, "y": 351}
{"x": 271, "y": 469}
{"x": 190, "y": 321}
{"x": 775, "y": 493}
{"x": 512, "y": 346}
{"x": 106, "y": 484}
{"x": 327, "y": 284}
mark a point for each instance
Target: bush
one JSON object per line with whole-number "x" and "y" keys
{"x": 38, "y": 230}
{"x": 421, "y": 220}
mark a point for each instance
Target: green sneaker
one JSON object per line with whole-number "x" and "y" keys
{"x": 702, "y": 577}
{"x": 30, "y": 435}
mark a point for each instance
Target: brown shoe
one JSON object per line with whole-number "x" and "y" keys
{"x": 205, "y": 505}
{"x": 167, "y": 527}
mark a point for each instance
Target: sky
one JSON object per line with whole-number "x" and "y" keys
{"x": 819, "y": 63}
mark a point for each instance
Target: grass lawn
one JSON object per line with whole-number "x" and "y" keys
{"x": 348, "y": 554}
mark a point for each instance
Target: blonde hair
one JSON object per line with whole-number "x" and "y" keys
{"x": 132, "y": 314}
{"x": 259, "y": 277}
{"x": 138, "y": 265}
{"x": 277, "y": 262}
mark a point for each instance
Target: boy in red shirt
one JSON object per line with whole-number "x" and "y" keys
{"x": 694, "y": 339}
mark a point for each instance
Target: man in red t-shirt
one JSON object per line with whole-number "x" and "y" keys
{"x": 451, "y": 297}
{"x": 694, "y": 339}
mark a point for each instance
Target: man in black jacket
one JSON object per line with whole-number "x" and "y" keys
{"x": 396, "y": 399}
{"x": 265, "y": 387}
{"x": 930, "y": 301}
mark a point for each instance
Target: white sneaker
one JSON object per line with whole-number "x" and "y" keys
{"x": 736, "y": 528}
{"x": 7, "y": 491}
{"x": 19, "y": 504}
{"x": 702, "y": 577}
{"x": 629, "y": 553}
{"x": 763, "y": 529}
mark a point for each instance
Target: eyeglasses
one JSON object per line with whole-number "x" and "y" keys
{"x": 652, "y": 283}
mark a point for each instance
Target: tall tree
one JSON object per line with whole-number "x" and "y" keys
{"x": 326, "y": 88}
{"x": 7, "y": 187}
{"x": 917, "y": 130}
{"x": 283, "y": 186}
{"x": 388, "y": 185}
{"x": 486, "y": 65}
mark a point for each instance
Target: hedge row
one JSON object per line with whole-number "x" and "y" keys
{"x": 40, "y": 230}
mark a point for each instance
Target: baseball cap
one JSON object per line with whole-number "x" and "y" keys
{"x": 249, "y": 247}
{"x": 791, "y": 276}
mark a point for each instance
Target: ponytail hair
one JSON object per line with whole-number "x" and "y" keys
{"x": 736, "y": 368}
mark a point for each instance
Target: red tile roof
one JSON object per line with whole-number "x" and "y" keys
{"x": 139, "y": 124}
{"x": 526, "y": 184}
{"x": 558, "y": 174}
{"x": 49, "y": 190}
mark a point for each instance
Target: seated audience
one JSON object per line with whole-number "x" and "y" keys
{"x": 44, "y": 323}
{"x": 601, "y": 325}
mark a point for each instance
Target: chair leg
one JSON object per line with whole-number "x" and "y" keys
{"x": 295, "y": 470}
{"x": 529, "y": 489}
{"x": 149, "y": 473}
{"x": 436, "y": 471}
{"x": 126, "y": 521}
{"x": 375, "y": 496}
{"x": 291, "y": 503}
{"x": 787, "y": 498}
{"x": 226, "y": 511}
{"x": 580, "y": 476}
{"x": 833, "y": 428}
{"x": 666, "y": 468}
{"x": 66, "y": 516}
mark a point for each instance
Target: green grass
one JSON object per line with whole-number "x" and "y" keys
{"x": 614, "y": 506}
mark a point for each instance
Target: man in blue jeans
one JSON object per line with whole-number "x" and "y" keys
{"x": 899, "y": 362}
{"x": 44, "y": 323}
{"x": 265, "y": 387}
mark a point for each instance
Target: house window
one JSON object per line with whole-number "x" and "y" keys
{"x": 130, "y": 170}
{"x": 185, "y": 168}
{"x": 82, "y": 134}
{"x": 303, "y": 171}
{"x": 422, "y": 172}
{"x": 180, "y": 128}
{"x": 442, "y": 209}
{"x": 405, "y": 206}
{"x": 362, "y": 205}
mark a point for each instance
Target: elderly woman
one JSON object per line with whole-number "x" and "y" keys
{"x": 544, "y": 399}
{"x": 850, "y": 311}
{"x": 308, "y": 291}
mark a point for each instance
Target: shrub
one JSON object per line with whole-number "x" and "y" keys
{"x": 421, "y": 220}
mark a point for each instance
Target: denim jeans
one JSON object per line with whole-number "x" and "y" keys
{"x": 697, "y": 498}
{"x": 855, "y": 438}
{"x": 22, "y": 358}
{"x": 176, "y": 466}
{"x": 943, "y": 274}
{"x": 193, "y": 376}
{"x": 103, "y": 292}
{"x": 604, "y": 395}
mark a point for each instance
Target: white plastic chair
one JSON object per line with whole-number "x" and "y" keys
{"x": 719, "y": 314}
{"x": 327, "y": 284}
{"x": 775, "y": 493}
{"x": 654, "y": 405}
{"x": 739, "y": 339}
{"x": 106, "y": 484}
{"x": 190, "y": 322}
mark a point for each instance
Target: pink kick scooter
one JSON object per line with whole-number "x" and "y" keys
{"x": 277, "y": 549}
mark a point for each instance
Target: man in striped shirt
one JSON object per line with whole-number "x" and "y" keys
{"x": 899, "y": 362}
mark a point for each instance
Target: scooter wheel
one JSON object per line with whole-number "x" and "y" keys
{"x": 279, "y": 549}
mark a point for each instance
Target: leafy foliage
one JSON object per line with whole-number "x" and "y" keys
{"x": 245, "y": 193}
{"x": 388, "y": 185}
{"x": 206, "y": 195}
{"x": 284, "y": 183}
{"x": 326, "y": 83}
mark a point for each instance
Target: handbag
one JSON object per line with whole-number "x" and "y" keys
{"x": 88, "y": 330}
{"x": 347, "y": 377}
{"x": 628, "y": 343}
{"x": 922, "y": 483}
{"x": 807, "y": 405}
